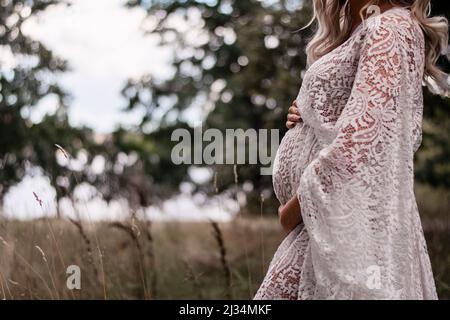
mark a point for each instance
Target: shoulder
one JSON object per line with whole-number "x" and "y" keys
{"x": 396, "y": 24}
{"x": 391, "y": 49}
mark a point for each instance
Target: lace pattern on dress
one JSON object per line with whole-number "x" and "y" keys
{"x": 351, "y": 166}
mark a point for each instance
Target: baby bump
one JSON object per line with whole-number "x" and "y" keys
{"x": 295, "y": 152}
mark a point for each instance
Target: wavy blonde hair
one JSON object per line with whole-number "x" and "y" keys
{"x": 334, "y": 26}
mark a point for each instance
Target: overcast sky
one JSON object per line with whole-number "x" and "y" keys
{"x": 104, "y": 45}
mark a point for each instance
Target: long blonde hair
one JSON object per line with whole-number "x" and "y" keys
{"x": 334, "y": 26}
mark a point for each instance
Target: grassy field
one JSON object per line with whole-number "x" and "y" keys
{"x": 152, "y": 261}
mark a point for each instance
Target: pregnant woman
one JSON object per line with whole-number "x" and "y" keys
{"x": 344, "y": 173}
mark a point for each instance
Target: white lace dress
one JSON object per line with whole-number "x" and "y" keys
{"x": 350, "y": 163}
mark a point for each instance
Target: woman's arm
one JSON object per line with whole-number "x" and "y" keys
{"x": 290, "y": 214}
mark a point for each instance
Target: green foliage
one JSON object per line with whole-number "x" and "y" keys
{"x": 247, "y": 72}
{"x": 24, "y": 82}
{"x": 242, "y": 71}
{"x": 238, "y": 64}
{"x": 432, "y": 165}
{"x": 153, "y": 176}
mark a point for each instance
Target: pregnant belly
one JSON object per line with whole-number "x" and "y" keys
{"x": 297, "y": 149}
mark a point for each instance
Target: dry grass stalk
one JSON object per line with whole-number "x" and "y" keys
{"x": 38, "y": 200}
{"x": 52, "y": 279}
{"x": 140, "y": 265}
{"x": 263, "y": 256}
{"x": 4, "y": 284}
{"x": 32, "y": 294}
{"x": 191, "y": 276}
{"x": 27, "y": 264}
{"x": 216, "y": 175}
{"x": 152, "y": 258}
{"x": 235, "y": 174}
{"x": 97, "y": 243}
{"x": 243, "y": 232}
{"x": 64, "y": 152}
{"x": 58, "y": 250}
{"x": 87, "y": 243}
{"x": 223, "y": 259}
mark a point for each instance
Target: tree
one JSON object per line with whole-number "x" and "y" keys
{"x": 244, "y": 68}
{"x": 26, "y": 78}
{"x": 241, "y": 68}
{"x": 432, "y": 166}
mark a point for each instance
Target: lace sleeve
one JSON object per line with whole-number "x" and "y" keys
{"x": 349, "y": 195}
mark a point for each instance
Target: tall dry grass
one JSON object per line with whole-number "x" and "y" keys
{"x": 141, "y": 259}
{"x": 190, "y": 264}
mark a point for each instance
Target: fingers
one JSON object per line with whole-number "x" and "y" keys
{"x": 293, "y": 115}
{"x": 290, "y": 124}
{"x": 293, "y": 110}
{"x": 293, "y": 118}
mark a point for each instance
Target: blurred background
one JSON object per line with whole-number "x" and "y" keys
{"x": 90, "y": 92}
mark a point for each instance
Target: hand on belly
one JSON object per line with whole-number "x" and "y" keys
{"x": 290, "y": 214}
{"x": 293, "y": 116}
